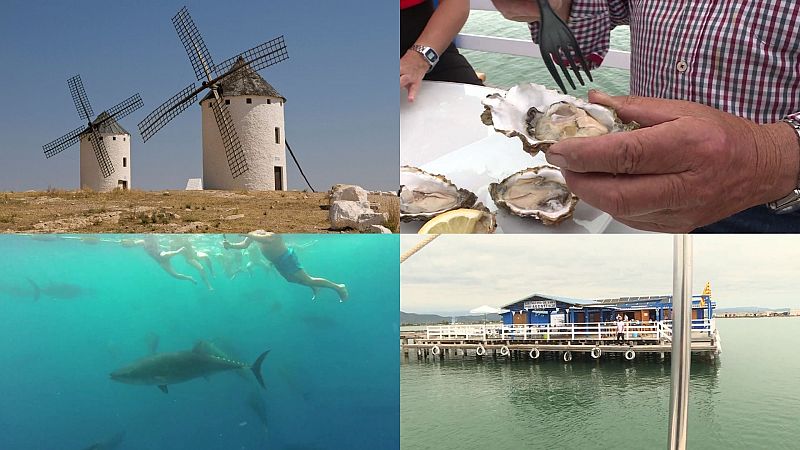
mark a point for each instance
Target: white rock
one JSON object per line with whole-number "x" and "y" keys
{"x": 378, "y": 229}
{"x": 349, "y": 192}
{"x": 368, "y": 219}
{"x": 344, "y": 214}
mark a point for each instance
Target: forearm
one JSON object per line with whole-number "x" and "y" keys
{"x": 445, "y": 23}
{"x": 239, "y": 245}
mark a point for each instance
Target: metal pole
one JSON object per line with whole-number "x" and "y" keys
{"x": 681, "y": 341}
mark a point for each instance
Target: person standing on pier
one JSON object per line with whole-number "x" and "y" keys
{"x": 620, "y": 330}
{"x": 285, "y": 260}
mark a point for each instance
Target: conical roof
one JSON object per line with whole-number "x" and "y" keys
{"x": 110, "y": 126}
{"x": 246, "y": 81}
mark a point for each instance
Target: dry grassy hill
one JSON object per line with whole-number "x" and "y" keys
{"x": 56, "y": 211}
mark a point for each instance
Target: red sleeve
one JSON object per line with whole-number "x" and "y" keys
{"x": 409, "y": 3}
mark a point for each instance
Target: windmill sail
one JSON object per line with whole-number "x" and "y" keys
{"x": 93, "y": 128}
{"x": 212, "y": 76}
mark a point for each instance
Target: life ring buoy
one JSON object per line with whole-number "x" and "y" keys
{"x": 480, "y": 351}
{"x": 567, "y": 356}
{"x": 534, "y": 354}
{"x": 596, "y": 352}
{"x": 504, "y": 351}
{"x": 629, "y": 355}
{"x": 435, "y": 350}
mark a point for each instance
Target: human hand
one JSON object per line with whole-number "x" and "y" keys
{"x": 413, "y": 68}
{"x": 689, "y": 166}
{"x": 528, "y": 10}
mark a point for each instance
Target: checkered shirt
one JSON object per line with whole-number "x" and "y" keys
{"x": 739, "y": 56}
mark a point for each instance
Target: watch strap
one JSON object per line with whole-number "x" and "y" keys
{"x": 429, "y": 54}
{"x": 791, "y": 202}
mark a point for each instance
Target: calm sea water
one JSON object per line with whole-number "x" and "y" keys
{"x": 505, "y": 71}
{"x": 747, "y": 399}
{"x": 331, "y": 383}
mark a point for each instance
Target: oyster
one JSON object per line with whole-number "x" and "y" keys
{"x": 424, "y": 195}
{"x": 538, "y": 192}
{"x": 541, "y": 117}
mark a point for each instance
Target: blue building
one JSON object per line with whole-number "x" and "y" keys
{"x": 542, "y": 309}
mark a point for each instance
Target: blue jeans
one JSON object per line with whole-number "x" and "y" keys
{"x": 759, "y": 219}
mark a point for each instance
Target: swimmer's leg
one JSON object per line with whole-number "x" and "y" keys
{"x": 207, "y": 261}
{"x": 168, "y": 268}
{"x": 196, "y": 264}
{"x": 301, "y": 277}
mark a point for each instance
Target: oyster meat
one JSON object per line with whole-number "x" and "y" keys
{"x": 540, "y": 117}
{"x": 538, "y": 192}
{"x": 424, "y": 195}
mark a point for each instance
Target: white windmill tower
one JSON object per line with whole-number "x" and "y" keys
{"x": 105, "y": 147}
{"x": 246, "y": 148}
{"x": 117, "y": 142}
{"x": 256, "y": 110}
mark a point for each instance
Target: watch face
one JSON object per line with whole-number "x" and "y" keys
{"x": 431, "y": 55}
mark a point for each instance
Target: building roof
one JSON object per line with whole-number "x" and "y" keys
{"x": 245, "y": 81}
{"x": 599, "y": 302}
{"x": 571, "y": 301}
{"x": 110, "y": 126}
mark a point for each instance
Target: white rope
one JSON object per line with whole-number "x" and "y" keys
{"x": 417, "y": 247}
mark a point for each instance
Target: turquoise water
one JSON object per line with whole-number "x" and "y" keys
{"x": 747, "y": 399}
{"x": 331, "y": 381}
{"x": 505, "y": 71}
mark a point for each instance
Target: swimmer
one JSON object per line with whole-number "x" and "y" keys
{"x": 285, "y": 260}
{"x": 256, "y": 259}
{"x": 153, "y": 249}
{"x": 194, "y": 258}
{"x": 231, "y": 262}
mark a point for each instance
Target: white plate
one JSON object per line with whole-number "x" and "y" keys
{"x": 492, "y": 159}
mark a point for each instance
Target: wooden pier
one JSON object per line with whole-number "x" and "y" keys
{"x": 563, "y": 341}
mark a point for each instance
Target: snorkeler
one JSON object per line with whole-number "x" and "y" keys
{"x": 285, "y": 260}
{"x": 153, "y": 249}
{"x": 183, "y": 245}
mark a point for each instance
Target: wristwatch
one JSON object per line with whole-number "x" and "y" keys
{"x": 428, "y": 53}
{"x": 791, "y": 202}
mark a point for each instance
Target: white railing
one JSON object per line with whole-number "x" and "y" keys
{"x": 521, "y": 47}
{"x": 660, "y": 331}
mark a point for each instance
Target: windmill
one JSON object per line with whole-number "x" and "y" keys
{"x": 97, "y": 164}
{"x": 232, "y": 157}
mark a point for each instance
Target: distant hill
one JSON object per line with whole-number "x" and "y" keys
{"x": 748, "y": 309}
{"x": 430, "y": 319}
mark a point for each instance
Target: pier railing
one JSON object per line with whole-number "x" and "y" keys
{"x": 650, "y": 331}
{"x": 522, "y": 47}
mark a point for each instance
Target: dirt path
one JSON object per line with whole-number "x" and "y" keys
{"x": 171, "y": 212}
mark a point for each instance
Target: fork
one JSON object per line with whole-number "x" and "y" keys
{"x": 555, "y": 40}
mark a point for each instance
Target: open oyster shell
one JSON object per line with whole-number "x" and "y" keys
{"x": 424, "y": 195}
{"x": 538, "y": 192}
{"x": 488, "y": 222}
{"x": 540, "y": 117}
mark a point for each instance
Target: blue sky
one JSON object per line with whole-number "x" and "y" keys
{"x": 340, "y": 82}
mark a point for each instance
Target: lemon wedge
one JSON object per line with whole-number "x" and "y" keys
{"x": 460, "y": 221}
